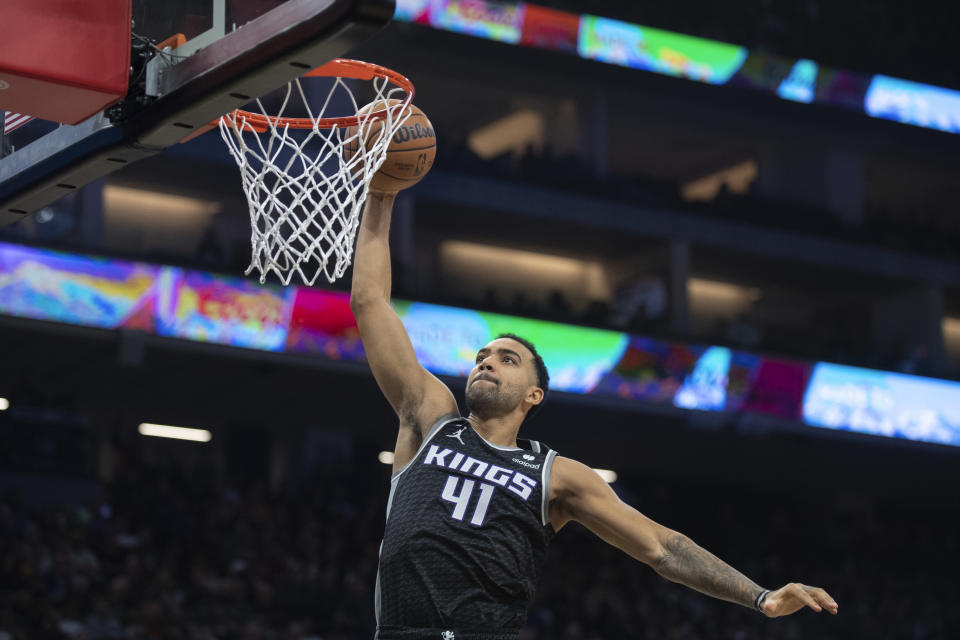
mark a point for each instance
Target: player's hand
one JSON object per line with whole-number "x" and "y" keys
{"x": 796, "y": 596}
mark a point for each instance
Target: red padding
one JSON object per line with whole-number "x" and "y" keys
{"x": 63, "y": 60}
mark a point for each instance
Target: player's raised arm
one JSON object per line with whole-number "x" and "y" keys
{"x": 578, "y": 493}
{"x": 417, "y": 396}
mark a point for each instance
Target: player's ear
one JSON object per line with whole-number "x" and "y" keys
{"x": 534, "y": 395}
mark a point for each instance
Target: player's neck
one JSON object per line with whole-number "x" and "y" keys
{"x": 501, "y": 431}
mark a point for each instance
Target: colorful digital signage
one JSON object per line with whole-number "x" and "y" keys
{"x": 416, "y": 11}
{"x": 801, "y": 84}
{"x": 674, "y": 54}
{"x": 447, "y": 339}
{"x": 206, "y": 307}
{"x": 233, "y": 311}
{"x": 550, "y": 29}
{"x": 640, "y": 47}
{"x": 914, "y": 103}
{"x": 772, "y": 386}
{"x": 882, "y": 403}
{"x": 76, "y": 289}
{"x": 321, "y": 322}
{"x": 501, "y": 21}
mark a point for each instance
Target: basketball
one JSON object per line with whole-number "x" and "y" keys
{"x": 410, "y": 154}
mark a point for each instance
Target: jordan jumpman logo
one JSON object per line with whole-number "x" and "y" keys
{"x": 457, "y": 435}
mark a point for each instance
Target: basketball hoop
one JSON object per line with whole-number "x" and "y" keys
{"x": 304, "y": 194}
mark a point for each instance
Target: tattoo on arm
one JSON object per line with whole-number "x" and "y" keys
{"x": 690, "y": 564}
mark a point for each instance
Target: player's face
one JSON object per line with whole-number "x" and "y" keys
{"x": 502, "y": 377}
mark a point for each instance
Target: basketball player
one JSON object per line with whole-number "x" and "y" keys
{"x": 472, "y": 508}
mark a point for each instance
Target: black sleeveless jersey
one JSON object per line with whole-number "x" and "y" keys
{"x": 465, "y": 539}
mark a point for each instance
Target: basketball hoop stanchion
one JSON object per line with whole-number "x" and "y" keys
{"x": 304, "y": 193}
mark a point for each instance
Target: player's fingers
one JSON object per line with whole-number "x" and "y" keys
{"x": 823, "y": 598}
{"x": 800, "y": 592}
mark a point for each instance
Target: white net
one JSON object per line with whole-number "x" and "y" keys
{"x": 306, "y": 186}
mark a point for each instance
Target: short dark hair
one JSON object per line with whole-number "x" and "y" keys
{"x": 543, "y": 378}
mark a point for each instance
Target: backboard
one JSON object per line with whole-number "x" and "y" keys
{"x": 230, "y": 52}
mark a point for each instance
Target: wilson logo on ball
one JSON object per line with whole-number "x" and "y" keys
{"x": 406, "y": 133}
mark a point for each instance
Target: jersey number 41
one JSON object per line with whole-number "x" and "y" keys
{"x": 461, "y": 499}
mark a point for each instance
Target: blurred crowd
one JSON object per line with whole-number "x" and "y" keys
{"x": 174, "y": 554}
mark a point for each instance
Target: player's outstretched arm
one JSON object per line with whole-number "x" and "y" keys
{"x": 418, "y": 397}
{"x": 579, "y": 494}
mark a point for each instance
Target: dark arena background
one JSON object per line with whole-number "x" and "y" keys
{"x": 731, "y": 229}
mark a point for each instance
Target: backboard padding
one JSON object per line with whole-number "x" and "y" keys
{"x": 260, "y": 56}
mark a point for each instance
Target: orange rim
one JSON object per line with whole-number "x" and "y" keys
{"x": 342, "y": 68}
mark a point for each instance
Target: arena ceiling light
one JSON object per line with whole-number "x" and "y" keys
{"x": 508, "y": 269}
{"x": 713, "y": 298}
{"x": 736, "y": 178}
{"x": 154, "y": 204}
{"x": 514, "y": 132}
{"x": 386, "y": 457}
{"x": 160, "y": 220}
{"x": 721, "y": 290}
{"x": 951, "y": 338}
{"x": 951, "y": 334}
{"x": 4, "y": 404}
{"x": 177, "y": 433}
{"x": 608, "y": 476}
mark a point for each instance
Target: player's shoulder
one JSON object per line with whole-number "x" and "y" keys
{"x": 563, "y": 464}
{"x": 571, "y": 482}
{"x": 569, "y": 476}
